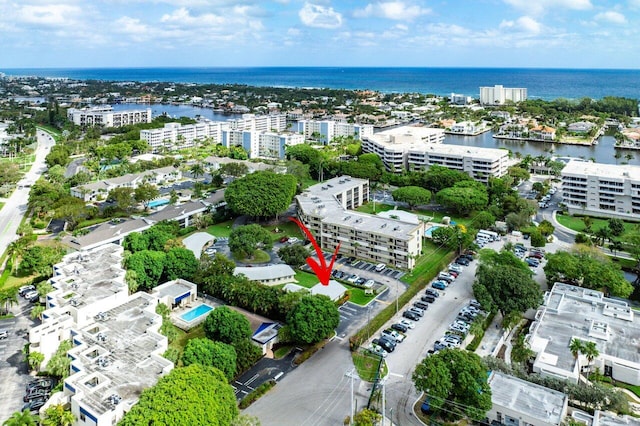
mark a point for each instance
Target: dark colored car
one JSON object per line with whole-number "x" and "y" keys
{"x": 537, "y": 255}
{"x": 390, "y": 340}
{"x": 432, "y": 292}
{"x": 400, "y": 327}
{"x": 284, "y": 239}
{"x": 42, "y": 383}
{"x": 421, "y": 305}
{"x": 428, "y": 298}
{"x": 35, "y": 404}
{"x": 410, "y": 315}
{"x": 462, "y": 261}
{"x": 35, "y": 394}
{"x": 426, "y": 406}
{"x": 384, "y": 344}
{"x": 438, "y": 346}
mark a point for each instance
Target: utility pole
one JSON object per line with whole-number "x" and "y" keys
{"x": 384, "y": 418}
{"x": 352, "y": 375}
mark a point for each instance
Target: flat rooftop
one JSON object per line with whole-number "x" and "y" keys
{"x": 371, "y": 224}
{"x": 174, "y": 288}
{"x": 408, "y": 136}
{"x": 532, "y": 400}
{"x": 575, "y": 312}
{"x": 86, "y": 277}
{"x": 614, "y": 171}
{"x": 336, "y": 185}
{"x": 260, "y": 273}
{"x": 116, "y": 357}
{"x": 464, "y": 151}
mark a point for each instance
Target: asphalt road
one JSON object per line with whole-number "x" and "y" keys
{"x": 13, "y": 369}
{"x": 16, "y": 205}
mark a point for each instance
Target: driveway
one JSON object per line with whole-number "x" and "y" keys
{"x": 13, "y": 369}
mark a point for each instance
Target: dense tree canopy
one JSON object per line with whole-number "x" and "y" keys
{"x": 438, "y": 178}
{"x": 261, "y": 194}
{"x": 504, "y": 282}
{"x": 455, "y": 381}
{"x": 294, "y": 255}
{"x": 145, "y": 193}
{"x": 464, "y": 198}
{"x": 313, "y": 319}
{"x": 148, "y": 266}
{"x": 226, "y": 325}
{"x": 186, "y": 396}
{"x": 211, "y": 354}
{"x": 588, "y": 269}
{"x": 180, "y": 263}
{"x": 244, "y": 240}
{"x": 412, "y": 195}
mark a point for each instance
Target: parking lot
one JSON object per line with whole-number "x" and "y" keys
{"x": 13, "y": 369}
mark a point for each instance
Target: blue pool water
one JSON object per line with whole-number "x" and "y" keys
{"x": 428, "y": 232}
{"x": 157, "y": 203}
{"x": 196, "y": 312}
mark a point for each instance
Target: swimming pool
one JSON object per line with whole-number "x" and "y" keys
{"x": 429, "y": 232}
{"x": 158, "y": 203}
{"x": 196, "y": 312}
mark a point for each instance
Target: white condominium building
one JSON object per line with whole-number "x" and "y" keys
{"x": 326, "y": 130}
{"x": 325, "y": 209}
{"x": 105, "y": 116}
{"x": 418, "y": 148}
{"x": 571, "y": 312}
{"x": 597, "y": 189}
{"x": 498, "y": 95}
{"x": 259, "y": 144}
{"x": 177, "y": 136}
{"x": 260, "y": 123}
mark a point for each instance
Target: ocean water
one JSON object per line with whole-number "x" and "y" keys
{"x": 541, "y": 83}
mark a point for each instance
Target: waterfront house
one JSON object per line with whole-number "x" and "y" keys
{"x": 542, "y": 132}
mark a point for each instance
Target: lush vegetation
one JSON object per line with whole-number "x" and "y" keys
{"x": 261, "y": 194}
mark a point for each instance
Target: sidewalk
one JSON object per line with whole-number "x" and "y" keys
{"x": 492, "y": 337}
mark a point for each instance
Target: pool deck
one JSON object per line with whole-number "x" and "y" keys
{"x": 188, "y": 325}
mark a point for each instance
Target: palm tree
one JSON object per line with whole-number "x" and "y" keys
{"x": 21, "y": 418}
{"x": 629, "y": 157}
{"x": 9, "y": 297}
{"x": 576, "y": 347}
{"x": 56, "y": 415}
{"x": 197, "y": 170}
{"x": 617, "y": 156}
{"x": 615, "y": 246}
{"x": 590, "y": 351}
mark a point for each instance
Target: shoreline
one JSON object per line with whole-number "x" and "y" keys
{"x": 449, "y": 132}
{"x": 510, "y": 138}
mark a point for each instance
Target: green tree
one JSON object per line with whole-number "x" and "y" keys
{"x": 180, "y": 263}
{"x": 546, "y": 228}
{"x": 537, "y": 239}
{"x": 196, "y": 170}
{"x": 40, "y": 260}
{"x": 616, "y": 226}
{"x": 135, "y": 242}
{"x": 503, "y": 281}
{"x": 60, "y": 363}
{"x": 590, "y": 351}
{"x": 456, "y": 382}
{"x": 313, "y": 319}
{"x": 261, "y": 194}
{"x": 185, "y": 397}
{"x": 244, "y": 240}
{"x": 234, "y": 169}
{"x": 123, "y": 198}
{"x": 148, "y": 266}
{"x": 226, "y": 325}
{"x": 56, "y": 415}
{"x": 208, "y": 353}
{"x": 366, "y": 417}
{"x": 247, "y": 354}
{"x": 412, "y": 195}
{"x": 463, "y": 200}
{"x": 484, "y": 220}
{"x": 294, "y": 255}
{"x": 438, "y": 178}
{"x": 145, "y": 193}
{"x": 576, "y": 346}
{"x": 21, "y": 418}
{"x": 35, "y": 360}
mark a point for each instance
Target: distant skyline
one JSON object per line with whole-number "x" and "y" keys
{"x": 340, "y": 33}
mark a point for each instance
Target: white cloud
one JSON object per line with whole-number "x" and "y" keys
{"x": 396, "y": 10}
{"x": 611, "y": 17}
{"x": 313, "y": 15}
{"x": 539, "y": 7}
{"x": 524, "y": 24}
{"x": 54, "y": 15}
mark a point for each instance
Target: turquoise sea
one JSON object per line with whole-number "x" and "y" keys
{"x": 540, "y": 83}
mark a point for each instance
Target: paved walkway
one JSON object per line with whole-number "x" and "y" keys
{"x": 491, "y": 337}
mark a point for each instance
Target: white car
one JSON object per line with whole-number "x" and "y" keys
{"x": 408, "y": 323}
{"x": 353, "y": 278}
{"x": 378, "y": 350}
{"x": 455, "y": 268}
{"x": 293, "y": 240}
{"x": 369, "y": 283}
{"x": 461, "y": 324}
{"x": 458, "y": 328}
{"x": 394, "y": 335}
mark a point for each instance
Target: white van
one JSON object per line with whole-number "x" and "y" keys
{"x": 489, "y": 235}
{"x": 380, "y": 267}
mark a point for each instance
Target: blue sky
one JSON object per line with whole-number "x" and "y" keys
{"x": 429, "y": 33}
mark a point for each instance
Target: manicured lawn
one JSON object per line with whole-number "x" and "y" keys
{"x": 305, "y": 279}
{"x": 55, "y": 133}
{"x": 288, "y": 229}
{"x": 282, "y": 351}
{"x": 432, "y": 216}
{"x": 222, "y": 229}
{"x": 308, "y": 182}
{"x": 575, "y": 223}
{"x": 259, "y": 256}
{"x": 367, "y": 364}
{"x": 357, "y": 295}
{"x": 433, "y": 258}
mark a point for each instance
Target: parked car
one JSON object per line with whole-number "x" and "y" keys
{"x": 458, "y": 328}
{"x": 411, "y": 315}
{"x": 36, "y": 393}
{"x": 399, "y": 327}
{"x": 464, "y": 261}
{"x": 422, "y": 305}
{"x": 536, "y": 255}
{"x": 432, "y": 292}
{"x": 35, "y": 404}
{"x": 34, "y": 298}
{"x": 475, "y": 304}
{"x": 417, "y": 311}
{"x": 408, "y": 323}
{"x": 386, "y": 344}
{"x": 29, "y": 294}
{"x": 428, "y": 298}
{"x": 380, "y": 267}
{"x": 4, "y": 334}
{"x": 532, "y": 262}
{"x": 438, "y": 346}
{"x": 455, "y": 268}
{"x": 439, "y": 285}
{"x": 353, "y": 278}
{"x": 394, "y": 334}
{"x": 41, "y": 383}
{"x": 25, "y": 289}
{"x": 369, "y": 283}
{"x": 426, "y": 407}
{"x": 293, "y": 240}
{"x": 361, "y": 281}
{"x": 462, "y": 323}
{"x": 377, "y": 350}
{"x": 454, "y": 274}
{"x": 443, "y": 276}
{"x": 284, "y": 239}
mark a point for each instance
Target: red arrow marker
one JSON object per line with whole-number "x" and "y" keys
{"x": 323, "y": 272}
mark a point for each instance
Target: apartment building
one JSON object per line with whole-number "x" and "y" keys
{"x": 498, "y": 95}
{"x": 99, "y": 190}
{"x": 114, "y": 359}
{"x": 326, "y": 210}
{"x": 417, "y": 148}
{"x": 105, "y": 116}
{"x": 326, "y": 130}
{"x": 261, "y": 144}
{"x": 569, "y": 312}
{"x": 597, "y": 189}
{"x": 260, "y": 123}
{"x": 177, "y": 136}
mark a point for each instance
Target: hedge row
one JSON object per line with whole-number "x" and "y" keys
{"x": 257, "y": 393}
{"x": 387, "y": 313}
